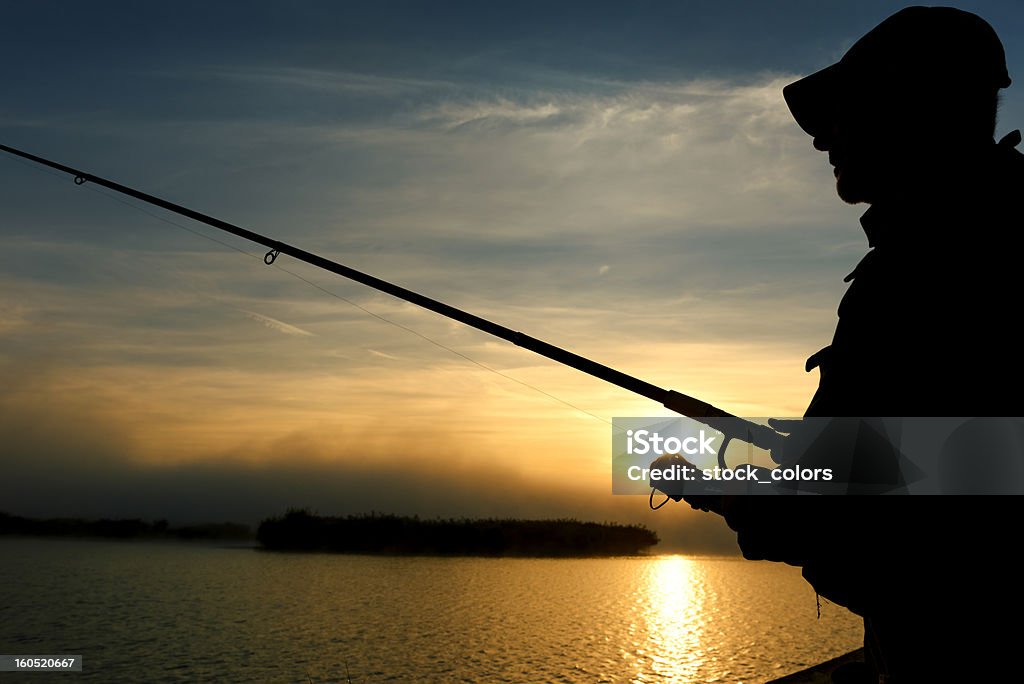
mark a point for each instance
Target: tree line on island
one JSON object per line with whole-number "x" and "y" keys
{"x": 300, "y": 530}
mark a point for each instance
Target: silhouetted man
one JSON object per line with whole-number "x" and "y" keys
{"x": 926, "y": 328}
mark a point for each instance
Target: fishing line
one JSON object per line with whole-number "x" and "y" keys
{"x": 121, "y": 200}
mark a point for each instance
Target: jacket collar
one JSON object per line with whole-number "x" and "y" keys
{"x": 983, "y": 181}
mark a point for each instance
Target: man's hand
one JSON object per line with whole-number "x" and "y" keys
{"x": 794, "y": 441}
{"x": 693, "y": 488}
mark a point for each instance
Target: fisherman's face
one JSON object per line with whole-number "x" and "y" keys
{"x": 851, "y": 177}
{"x": 862, "y": 160}
{"x": 872, "y": 154}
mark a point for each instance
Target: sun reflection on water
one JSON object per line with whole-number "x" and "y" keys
{"x": 669, "y": 621}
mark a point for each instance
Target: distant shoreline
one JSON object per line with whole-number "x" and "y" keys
{"x": 376, "y": 534}
{"x": 370, "y": 534}
{"x": 122, "y": 529}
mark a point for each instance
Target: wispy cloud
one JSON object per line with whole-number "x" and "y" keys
{"x": 277, "y": 325}
{"x": 12, "y": 316}
{"x": 336, "y": 82}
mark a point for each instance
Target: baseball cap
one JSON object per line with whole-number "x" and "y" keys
{"x": 914, "y": 47}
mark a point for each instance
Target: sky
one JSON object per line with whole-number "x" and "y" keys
{"x": 619, "y": 179}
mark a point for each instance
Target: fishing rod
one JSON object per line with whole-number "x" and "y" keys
{"x": 733, "y": 427}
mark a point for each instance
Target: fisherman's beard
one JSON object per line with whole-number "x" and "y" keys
{"x": 852, "y": 186}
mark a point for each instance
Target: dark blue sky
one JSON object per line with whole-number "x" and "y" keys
{"x": 67, "y": 58}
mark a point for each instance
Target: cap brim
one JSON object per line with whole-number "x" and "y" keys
{"x": 812, "y": 100}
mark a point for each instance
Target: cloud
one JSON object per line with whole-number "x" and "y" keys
{"x": 275, "y": 324}
{"x": 664, "y": 185}
{"x": 12, "y": 316}
{"x": 337, "y": 82}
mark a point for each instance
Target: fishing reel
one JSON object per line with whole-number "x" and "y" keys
{"x": 703, "y": 488}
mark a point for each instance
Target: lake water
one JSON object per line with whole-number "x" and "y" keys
{"x": 150, "y": 612}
